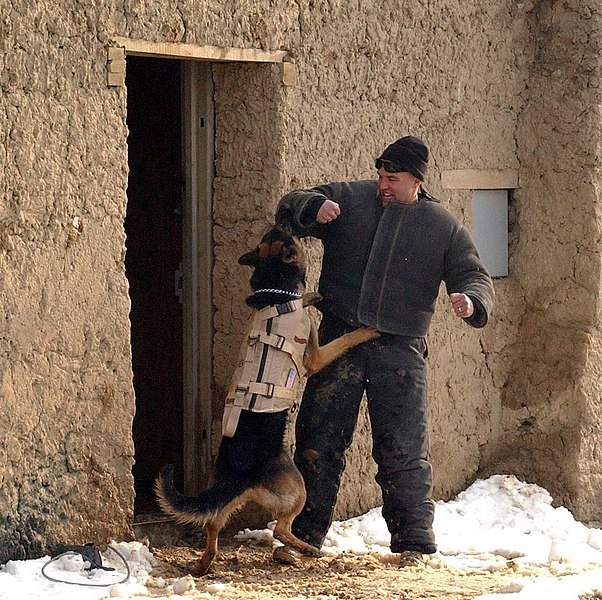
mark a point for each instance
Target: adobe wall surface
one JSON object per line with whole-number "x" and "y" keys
{"x": 65, "y": 374}
{"x": 352, "y": 99}
{"x": 418, "y": 75}
{"x": 550, "y": 402}
{"x": 367, "y": 73}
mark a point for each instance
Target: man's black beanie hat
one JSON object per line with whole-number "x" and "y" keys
{"x": 409, "y": 153}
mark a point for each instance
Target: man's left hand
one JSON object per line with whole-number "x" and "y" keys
{"x": 462, "y": 305}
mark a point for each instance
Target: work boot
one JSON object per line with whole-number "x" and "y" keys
{"x": 411, "y": 558}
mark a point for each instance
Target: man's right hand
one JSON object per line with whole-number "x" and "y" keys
{"x": 328, "y": 212}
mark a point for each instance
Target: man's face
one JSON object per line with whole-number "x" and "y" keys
{"x": 402, "y": 187}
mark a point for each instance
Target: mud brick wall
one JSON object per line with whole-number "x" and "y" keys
{"x": 550, "y": 400}
{"x": 521, "y": 396}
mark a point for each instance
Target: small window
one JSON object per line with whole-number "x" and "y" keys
{"x": 490, "y": 229}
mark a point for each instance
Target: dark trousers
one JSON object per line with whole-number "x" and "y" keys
{"x": 392, "y": 372}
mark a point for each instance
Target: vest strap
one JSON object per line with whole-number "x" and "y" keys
{"x": 280, "y": 343}
{"x": 280, "y": 309}
{"x": 230, "y": 419}
{"x": 269, "y": 390}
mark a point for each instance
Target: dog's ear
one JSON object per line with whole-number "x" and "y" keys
{"x": 284, "y": 218}
{"x": 250, "y": 259}
{"x": 290, "y": 255}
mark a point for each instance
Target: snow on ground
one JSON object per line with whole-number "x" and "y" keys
{"x": 23, "y": 579}
{"x": 494, "y": 521}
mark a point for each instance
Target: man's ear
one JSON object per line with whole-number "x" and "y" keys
{"x": 250, "y": 259}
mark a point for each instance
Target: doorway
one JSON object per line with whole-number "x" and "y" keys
{"x": 168, "y": 267}
{"x": 153, "y": 257}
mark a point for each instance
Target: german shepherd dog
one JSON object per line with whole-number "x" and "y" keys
{"x": 253, "y": 464}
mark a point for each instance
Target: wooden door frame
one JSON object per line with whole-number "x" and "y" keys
{"x": 198, "y": 133}
{"x": 198, "y": 130}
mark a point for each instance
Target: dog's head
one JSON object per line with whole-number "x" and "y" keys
{"x": 278, "y": 260}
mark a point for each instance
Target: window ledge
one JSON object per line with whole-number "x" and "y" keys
{"x": 506, "y": 179}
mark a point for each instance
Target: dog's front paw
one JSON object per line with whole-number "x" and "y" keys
{"x": 311, "y": 298}
{"x": 369, "y": 333}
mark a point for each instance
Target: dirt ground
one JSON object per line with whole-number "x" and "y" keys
{"x": 246, "y": 570}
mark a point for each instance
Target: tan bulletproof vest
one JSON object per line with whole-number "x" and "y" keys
{"x": 270, "y": 363}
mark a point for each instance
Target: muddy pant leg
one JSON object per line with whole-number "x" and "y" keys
{"x": 324, "y": 430}
{"x": 397, "y": 406}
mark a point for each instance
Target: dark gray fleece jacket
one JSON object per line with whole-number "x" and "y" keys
{"x": 383, "y": 267}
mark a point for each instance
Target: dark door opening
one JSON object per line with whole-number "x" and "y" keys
{"x": 153, "y": 263}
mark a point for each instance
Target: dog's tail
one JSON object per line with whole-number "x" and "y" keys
{"x": 195, "y": 510}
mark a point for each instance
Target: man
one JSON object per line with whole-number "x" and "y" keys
{"x": 388, "y": 245}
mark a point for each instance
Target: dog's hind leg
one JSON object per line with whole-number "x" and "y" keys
{"x": 283, "y": 533}
{"x": 288, "y": 497}
{"x": 212, "y": 529}
{"x": 286, "y": 554}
